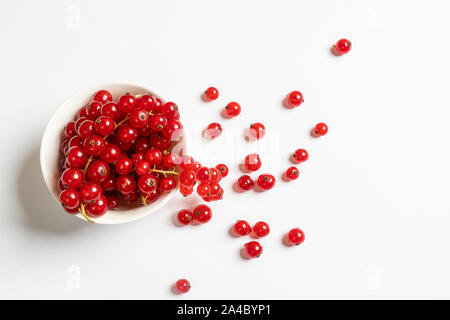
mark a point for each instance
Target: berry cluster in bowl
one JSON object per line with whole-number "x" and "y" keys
{"x": 123, "y": 154}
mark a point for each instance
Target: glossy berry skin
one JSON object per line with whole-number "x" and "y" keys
{"x": 98, "y": 171}
{"x": 86, "y": 129}
{"x": 153, "y": 156}
{"x": 138, "y": 156}
{"x": 148, "y": 103}
{"x": 69, "y": 198}
{"x": 187, "y": 178}
{"x": 97, "y": 208}
{"x": 147, "y": 183}
{"x": 153, "y": 196}
{"x": 294, "y": 99}
{"x": 93, "y": 110}
{"x": 343, "y": 46}
{"x": 186, "y": 191}
{"x": 76, "y": 157}
{"x": 103, "y": 96}
{"x": 252, "y": 162}
{"x": 159, "y": 142}
{"x": 142, "y": 167}
{"x": 203, "y": 174}
{"x": 185, "y": 216}
{"x": 173, "y": 130}
{"x": 320, "y": 129}
{"x": 300, "y": 155}
{"x": 261, "y": 229}
{"x": 109, "y": 184}
{"x": 72, "y": 178}
{"x": 94, "y": 145}
{"x": 124, "y": 165}
{"x": 266, "y": 181}
{"x": 232, "y": 109}
{"x": 245, "y": 183}
{"x": 70, "y": 130}
{"x": 113, "y": 202}
{"x": 170, "y": 111}
{"x": 167, "y": 184}
{"x": 131, "y": 197}
{"x": 203, "y": 189}
{"x": 111, "y": 153}
{"x": 125, "y": 184}
{"x": 146, "y": 131}
{"x": 254, "y": 249}
{"x": 257, "y": 131}
{"x": 214, "y": 175}
{"x": 223, "y": 169}
{"x": 242, "y": 228}
{"x": 213, "y": 131}
{"x": 170, "y": 160}
{"x": 296, "y": 236}
{"x": 104, "y": 125}
{"x": 141, "y": 144}
{"x": 111, "y": 109}
{"x": 127, "y": 133}
{"x": 75, "y": 141}
{"x": 202, "y": 213}
{"x": 292, "y": 173}
{"x": 139, "y": 118}
{"x": 182, "y": 286}
{"x": 127, "y": 103}
{"x": 210, "y": 94}
{"x": 79, "y": 121}
{"x": 90, "y": 191}
{"x": 157, "y": 122}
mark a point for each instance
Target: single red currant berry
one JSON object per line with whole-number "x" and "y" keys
{"x": 173, "y": 130}
{"x": 185, "y": 216}
{"x": 170, "y": 111}
{"x": 104, "y": 125}
{"x": 153, "y": 156}
{"x": 82, "y": 113}
{"x": 79, "y": 122}
{"x": 300, "y": 155}
{"x": 138, "y": 156}
{"x": 343, "y": 46}
{"x": 223, "y": 169}
{"x": 147, "y": 183}
{"x": 182, "y": 286}
{"x": 75, "y": 141}
{"x": 125, "y": 184}
{"x": 141, "y": 144}
{"x": 103, "y": 96}
{"x": 97, "y": 208}
{"x": 90, "y": 191}
{"x": 94, "y": 110}
{"x": 252, "y": 162}
{"x": 69, "y": 130}
{"x": 167, "y": 184}
{"x": 132, "y": 197}
{"x": 86, "y": 129}
{"x": 139, "y": 118}
{"x": 294, "y": 99}
{"x": 266, "y": 181}
{"x": 214, "y": 175}
{"x": 186, "y": 191}
{"x": 111, "y": 109}
{"x": 210, "y": 94}
{"x": 148, "y": 103}
{"x": 213, "y": 131}
{"x": 320, "y": 129}
{"x": 214, "y": 189}
{"x": 157, "y": 122}
{"x": 94, "y": 145}
{"x": 245, "y": 183}
{"x": 76, "y": 157}
{"x": 152, "y": 196}
{"x": 242, "y": 228}
{"x": 109, "y": 184}
{"x": 124, "y": 165}
{"x": 69, "y": 198}
{"x": 187, "y": 178}
{"x": 261, "y": 229}
{"x": 254, "y": 249}
{"x": 187, "y": 163}
{"x": 72, "y": 178}
{"x": 159, "y": 142}
{"x": 142, "y": 167}
{"x": 113, "y": 202}
{"x": 111, "y": 153}
{"x": 146, "y": 131}
{"x": 296, "y": 236}
{"x": 203, "y": 189}
{"x": 72, "y": 211}
{"x": 292, "y": 173}
{"x": 170, "y": 160}
{"x": 203, "y": 174}
{"x": 257, "y": 131}
{"x": 127, "y": 133}
{"x": 98, "y": 171}
{"x": 232, "y": 109}
{"x": 127, "y": 103}
{"x": 202, "y": 213}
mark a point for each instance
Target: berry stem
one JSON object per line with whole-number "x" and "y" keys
{"x": 164, "y": 172}
{"x": 83, "y": 212}
{"x": 143, "y": 199}
{"x": 87, "y": 165}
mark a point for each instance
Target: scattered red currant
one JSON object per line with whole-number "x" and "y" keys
{"x": 294, "y": 99}
{"x": 185, "y": 216}
{"x": 300, "y": 155}
{"x": 254, "y": 249}
{"x": 252, "y": 162}
{"x": 232, "y": 109}
{"x": 296, "y": 236}
{"x": 242, "y": 228}
{"x": 202, "y": 213}
{"x": 320, "y": 130}
{"x": 261, "y": 229}
{"x": 213, "y": 131}
{"x": 291, "y": 173}
{"x": 182, "y": 286}
{"x": 256, "y": 131}
{"x": 266, "y": 181}
{"x": 343, "y": 46}
{"x": 210, "y": 94}
{"x": 223, "y": 169}
{"x": 245, "y": 183}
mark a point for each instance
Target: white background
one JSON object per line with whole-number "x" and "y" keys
{"x": 372, "y": 200}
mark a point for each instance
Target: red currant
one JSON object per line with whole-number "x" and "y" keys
{"x": 214, "y": 175}
{"x": 72, "y": 178}
{"x": 69, "y": 198}
{"x": 257, "y": 131}
{"x": 127, "y": 103}
{"x": 69, "y": 130}
{"x": 343, "y": 46}
{"x": 170, "y": 160}
{"x": 90, "y": 191}
{"x": 86, "y": 129}
{"x": 98, "y": 171}
{"x": 132, "y": 197}
{"x": 254, "y": 249}
{"x": 185, "y": 216}
{"x": 148, "y": 103}
{"x": 147, "y": 183}
{"x": 138, "y": 156}
{"x": 94, "y": 110}
{"x": 252, "y": 162}
{"x": 159, "y": 142}
{"x": 94, "y": 145}
{"x": 124, "y": 165}
{"x": 142, "y": 167}
{"x": 125, "y": 184}
{"x": 146, "y": 131}
{"x": 141, "y": 144}
{"x": 232, "y": 109}
{"x": 157, "y": 122}
{"x": 300, "y": 155}
{"x": 187, "y": 178}
{"x": 153, "y": 156}
{"x": 292, "y": 173}
{"x": 167, "y": 184}
{"x": 79, "y": 122}
{"x": 210, "y": 94}
{"x": 82, "y": 113}
{"x": 266, "y": 181}
{"x": 109, "y": 184}
{"x": 261, "y": 229}
{"x": 75, "y": 141}
{"x": 127, "y": 133}
{"x": 213, "y": 131}
{"x": 111, "y": 153}
{"x": 153, "y": 196}
{"x": 242, "y": 228}
{"x": 113, "y": 202}
{"x": 186, "y": 191}
{"x": 138, "y": 118}
{"x": 203, "y": 189}
{"x": 296, "y": 236}
{"x": 111, "y": 109}
{"x": 103, "y": 96}
{"x": 182, "y": 286}
{"x": 170, "y": 111}
{"x": 97, "y": 208}
{"x": 294, "y": 99}
{"x": 223, "y": 169}
{"x": 76, "y": 157}
{"x": 245, "y": 183}
{"x": 203, "y": 174}
{"x": 320, "y": 129}
{"x": 104, "y": 125}
{"x": 173, "y": 130}
{"x": 202, "y": 213}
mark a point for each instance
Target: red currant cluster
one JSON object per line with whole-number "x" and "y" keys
{"x": 201, "y": 214}
{"x": 253, "y": 249}
{"x": 119, "y": 149}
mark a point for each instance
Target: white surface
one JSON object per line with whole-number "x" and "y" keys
{"x": 372, "y": 199}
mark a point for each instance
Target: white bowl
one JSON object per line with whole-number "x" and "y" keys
{"x": 52, "y": 139}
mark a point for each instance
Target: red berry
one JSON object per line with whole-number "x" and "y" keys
{"x": 214, "y": 175}
{"x": 173, "y": 130}
{"x": 202, "y": 213}
{"x": 127, "y": 103}
{"x": 94, "y": 110}
{"x": 76, "y": 157}
{"x": 300, "y": 155}
{"x": 139, "y": 118}
{"x": 94, "y": 145}
{"x": 252, "y": 162}
{"x": 109, "y": 184}
{"x": 90, "y": 191}
{"x": 148, "y": 103}
{"x": 138, "y": 156}
{"x": 294, "y": 99}
{"x": 187, "y": 163}
{"x": 146, "y": 131}
{"x": 213, "y": 131}
{"x": 103, "y": 96}
{"x": 113, "y": 202}
{"x": 257, "y": 131}
{"x": 98, "y": 171}
{"x": 79, "y": 122}
{"x": 82, "y": 113}
{"x": 132, "y": 197}
{"x": 125, "y": 184}
{"x": 153, "y": 196}
{"x": 211, "y": 94}
{"x": 69, "y": 130}
{"x": 242, "y": 228}
{"x": 254, "y": 249}
{"x": 170, "y": 160}
{"x": 157, "y": 122}
{"x": 75, "y": 141}
{"x": 296, "y": 236}
{"x": 223, "y": 169}
{"x": 141, "y": 144}
{"x": 292, "y": 173}
{"x": 142, "y": 167}
{"x": 170, "y": 111}
{"x": 245, "y": 183}
{"x": 97, "y": 208}
{"x": 185, "y": 216}
{"x": 187, "y": 178}
{"x": 86, "y": 129}
{"x": 153, "y": 156}
{"x": 320, "y": 129}
{"x": 72, "y": 211}
{"x": 186, "y": 191}
{"x": 147, "y": 183}
{"x": 203, "y": 189}
{"x": 203, "y": 174}
{"x": 104, "y": 125}
{"x": 182, "y": 286}
{"x": 69, "y": 198}
{"x": 232, "y": 109}
{"x": 72, "y": 178}
{"x": 111, "y": 153}
{"x": 343, "y": 46}
{"x": 167, "y": 184}
{"x": 261, "y": 229}
{"x": 266, "y": 181}
{"x": 127, "y": 133}
{"x": 159, "y": 142}
{"x": 124, "y": 165}
{"x": 111, "y": 109}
